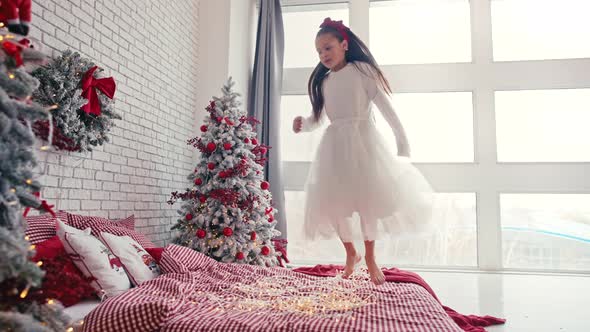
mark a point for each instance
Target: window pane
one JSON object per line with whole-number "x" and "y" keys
{"x": 537, "y": 30}
{"x": 455, "y": 245}
{"x": 546, "y": 231}
{"x": 302, "y": 146}
{"x": 439, "y": 125}
{"x": 409, "y": 31}
{"x": 543, "y": 125}
{"x": 301, "y": 23}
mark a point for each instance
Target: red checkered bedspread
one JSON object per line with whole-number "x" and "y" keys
{"x": 181, "y": 300}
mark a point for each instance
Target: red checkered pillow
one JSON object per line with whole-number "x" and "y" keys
{"x": 98, "y": 225}
{"x": 42, "y": 227}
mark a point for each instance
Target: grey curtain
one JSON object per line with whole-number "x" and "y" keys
{"x": 265, "y": 98}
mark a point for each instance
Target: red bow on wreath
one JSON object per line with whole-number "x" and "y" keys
{"x": 90, "y": 84}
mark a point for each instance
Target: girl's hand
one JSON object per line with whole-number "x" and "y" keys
{"x": 297, "y": 124}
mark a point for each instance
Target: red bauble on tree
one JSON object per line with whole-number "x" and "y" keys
{"x": 265, "y": 250}
{"x": 202, "y": 198}
{"x": 189, "y": 217}
{"x": 240, "y": 256}
{"x": 247, "y": 140}
{"x": 211, "y": 147}
{"x": 227, "y": 146}
{"x": 201, "y": 233}
{"x": 254, "y": 141}
{"x": 253, "y": 236}
{"x": 198, "y": 181}
{"x": 264, "y": 185}
{"x": 203, "y": 128}
{"x": 211, "y": 166}
{"x": 228, "y": 231}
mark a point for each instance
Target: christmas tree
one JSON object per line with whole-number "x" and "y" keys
{"x": 227, "y": 214}
{"x": 22, "y": 308}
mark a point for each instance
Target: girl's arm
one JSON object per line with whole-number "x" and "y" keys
{"x": 381, "y": 100}
{"x": 310, "y": 124}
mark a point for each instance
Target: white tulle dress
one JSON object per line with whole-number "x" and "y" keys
{"x": 357, "y": 187}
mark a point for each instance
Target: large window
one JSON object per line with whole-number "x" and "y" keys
{"x": 494, "y": 96}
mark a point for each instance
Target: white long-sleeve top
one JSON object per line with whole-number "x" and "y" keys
{"x": 348, "y": 94}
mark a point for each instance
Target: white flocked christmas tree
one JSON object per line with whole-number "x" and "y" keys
{"x": 227, "y": 213}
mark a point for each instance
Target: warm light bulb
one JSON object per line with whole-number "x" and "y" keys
{"x": 50, "y": 301}
{"x": 39, "y": 263}
{"x": 29, "y": 181}
{"x": 27, "y": 237}
{"x": 32, "y": 247}
{"x": 12, "y": 190}
{"x": 24, "y": 293}
{"x": 11, "y": 76}
{"x": 44, "y": 148}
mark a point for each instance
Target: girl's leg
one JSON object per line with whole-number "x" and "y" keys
{"x": 352, "y": 258}
{"x": 375, "y": 272}
{"x": 369, "y": 232}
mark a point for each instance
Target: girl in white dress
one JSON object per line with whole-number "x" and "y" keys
{"x": 354, "y": 170}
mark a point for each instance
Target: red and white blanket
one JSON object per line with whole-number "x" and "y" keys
{"x": 186, "y": 298}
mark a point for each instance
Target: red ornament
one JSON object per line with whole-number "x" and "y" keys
{"x": 189, "y": 216}
{"x": 201, "y": 233}
{"x": 228, "y": 231}
{"x": 222, "y": 174}
{"x": 253, "y": 236}
{"x": 228, "y": 121}
{"x": 269, "y": 210}
{"x": 203, "y": 128}
{"x": 246, "y": 140}
{"x": 211, "y": 147}
{"x": 263, "y": 150}
{"x": 244, "y": 161}
{"x": 271, "y": 219}
{"x": 211, "y": 166}
{"x": 203, "y": 199}
{"x": 227, "y": 146}
{"x": 198, "y": 181}
{"x": 265, "y": 251}
{"x": 240, "y": 256}
{"x": 219, "y": 119}
{"x": 254, "y": 141}
{"x": 264, "y": 185}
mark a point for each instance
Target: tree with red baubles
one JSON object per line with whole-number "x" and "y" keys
{"x": 232, "y": 217}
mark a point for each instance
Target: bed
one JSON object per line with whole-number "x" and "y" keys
{"x": 197, "y": 293}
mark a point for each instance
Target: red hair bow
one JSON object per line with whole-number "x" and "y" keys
{"x": 336, "y": 25}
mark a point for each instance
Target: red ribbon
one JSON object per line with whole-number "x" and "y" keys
{"x": 336, "y": 25}
{"x": 90, "y": 84}
{"x": 14, "y": 51}
{"x": 44, "y": 206}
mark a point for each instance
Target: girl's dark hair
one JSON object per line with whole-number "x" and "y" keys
{"x": 357, "y": 51}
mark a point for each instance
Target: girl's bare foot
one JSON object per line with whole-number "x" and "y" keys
{"x": 375, "y": 272}
{"x": 351, "y": 261}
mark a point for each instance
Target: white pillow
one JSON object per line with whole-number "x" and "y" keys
{"x": 96, "y": 261}
{"x": 140, "y": 265}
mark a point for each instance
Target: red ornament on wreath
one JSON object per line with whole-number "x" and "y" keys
{"x": 227, "y": 146}
{"x": 240, "y": 256}
{"x": 247, "y": 140}
{"x": 228, "y": 231}
{"x": 222, "y": 174}
{"x": 198, "y": 181}
{"x": 253, "y": 236}
{"x": 265, "y": 251}
{"x": 188, "y": 216}
{"x": 203, "y": 128}
{"x": 271, "y": 219}
{"x": 201, "y": 233}
{"x": 264, "y": 185}
{"x": 211, "y": 147}
{"x": 254, "y": 141}
{"x": 211, "y": 166}
{"x": 202, "y": 198}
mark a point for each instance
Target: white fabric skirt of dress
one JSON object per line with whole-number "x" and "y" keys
{"x": 358, "y": 189}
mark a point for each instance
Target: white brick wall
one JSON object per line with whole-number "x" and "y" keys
{"x": 150, "y": 48}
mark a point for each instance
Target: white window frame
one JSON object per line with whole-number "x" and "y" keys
{"x": 487, "y": 177}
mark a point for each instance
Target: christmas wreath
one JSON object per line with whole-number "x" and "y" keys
{"x": 82, "y": 103}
